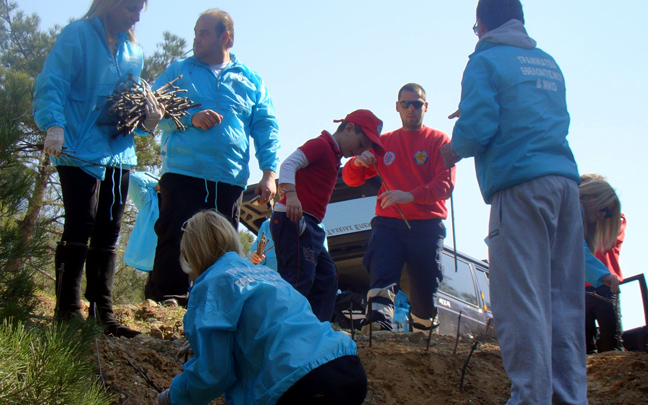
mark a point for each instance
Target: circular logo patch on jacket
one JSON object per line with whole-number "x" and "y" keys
{"x": 421, "y": 157}
{"x": 389, "y": 158}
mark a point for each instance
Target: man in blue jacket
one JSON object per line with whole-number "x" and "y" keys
{"x": 513, "y": 119}
{"x": 206, "y": 165}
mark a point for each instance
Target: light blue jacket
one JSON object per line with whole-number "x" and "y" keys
{"x": 253, "y": 336}
{"x": 514, "y": 117}
{"x": 595, "y": 270}
{"x": 270, "y": 260}
{"x": 221, "y": 153}
{"x": 140, "y": 249}
{"x": 78, "y": 75}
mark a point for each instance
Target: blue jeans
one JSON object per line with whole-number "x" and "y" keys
{"x": 304, "y": 263}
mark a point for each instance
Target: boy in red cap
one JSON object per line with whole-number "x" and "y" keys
{"x": 306, "y": 181}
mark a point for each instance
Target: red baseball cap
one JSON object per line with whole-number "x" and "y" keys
{"x": 371, "y": 126}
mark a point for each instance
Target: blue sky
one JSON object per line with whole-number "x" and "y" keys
{"x": 321, "y": 60}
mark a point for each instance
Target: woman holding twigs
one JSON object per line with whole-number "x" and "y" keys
{"x": 91, "y": 57}
{"x": 254, "y": 337}
{"x": 602, "y": 220}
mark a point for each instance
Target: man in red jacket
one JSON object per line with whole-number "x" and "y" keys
{"x": 408, "y": 226}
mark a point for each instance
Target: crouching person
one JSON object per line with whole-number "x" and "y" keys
{"x": 254, "y": 337}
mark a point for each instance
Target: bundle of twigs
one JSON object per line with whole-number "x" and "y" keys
{"x": 127, "y": 105}
{"x": 261, "y": 244}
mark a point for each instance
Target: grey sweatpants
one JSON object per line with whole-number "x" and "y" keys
{"x": 537, "y": 274}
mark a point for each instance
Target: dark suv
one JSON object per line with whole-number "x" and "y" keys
{"x": 464, "y": 291}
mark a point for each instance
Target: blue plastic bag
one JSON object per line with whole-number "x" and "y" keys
{"x": 401, "y": 313}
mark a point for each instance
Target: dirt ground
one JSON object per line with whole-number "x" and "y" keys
{"x": 399, "y": 366}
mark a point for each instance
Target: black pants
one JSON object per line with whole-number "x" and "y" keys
{"x": 342, "y": 381}
{"x": 180, "y": 198}
{"x": 608, "y": 316}
{"x": 93, "y": 208}
{"x": 93, "y": 211}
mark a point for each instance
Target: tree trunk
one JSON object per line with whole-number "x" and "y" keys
{"x": 34, "y": 207}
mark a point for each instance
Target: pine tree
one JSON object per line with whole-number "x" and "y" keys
{"x": 24, "y": 170}
{"x": 22, "y": 53}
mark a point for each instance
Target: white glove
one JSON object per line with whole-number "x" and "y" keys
{"x": 154, "y": 112}
{"x": 164, "y": 398}
{"x": 54, "y": 141}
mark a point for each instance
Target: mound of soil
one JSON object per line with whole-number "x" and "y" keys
{"x": 401, "y": 367}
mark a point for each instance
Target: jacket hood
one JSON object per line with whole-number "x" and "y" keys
{"x": 511, "y": 33}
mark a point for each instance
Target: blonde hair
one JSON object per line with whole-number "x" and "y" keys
{"x": 206, "y": 237}
{"x": 598, "y": 195}
{"x": 587, "y": 177}
{"x": 99, "y": 8}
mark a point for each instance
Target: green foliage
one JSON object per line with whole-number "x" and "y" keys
{"x": 48, "y": 366}
{"x": 246, "y": 240}
{"x": 167, "y": 52}
{"x": 17, "y": 298}
{"x": 17, "y": 295}
{"x": 24, "y": 243}
{"x": 129, "y": 285}
{"x": 24, "y": 48}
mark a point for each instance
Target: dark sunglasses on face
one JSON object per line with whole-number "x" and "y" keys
{"x": 416, "y": 103}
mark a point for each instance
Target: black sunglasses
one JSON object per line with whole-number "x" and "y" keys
{"x": 416, "y": 103}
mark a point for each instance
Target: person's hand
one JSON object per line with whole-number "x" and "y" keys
{"x": 154, "y": 112}
{"x": 256, "y": 258}
{"x": 611, "y": 281}
{"x": 206, "y": 119}
{"x": 293, "y": 205}
{"x": 449, "y": 156}
{"x": 389, "y": 198}
{"x": 164, "y": 398}
{"x": 54, "y": 141}
{"x": 366, "y": 159}
{"x": 184, "y": 351}
{"x": 267, "y": 187}
{"x": 455, "y": 114}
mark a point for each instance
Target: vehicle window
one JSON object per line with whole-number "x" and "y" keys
{"x": 483, "y": 286}
{"x": 458, "y": 284}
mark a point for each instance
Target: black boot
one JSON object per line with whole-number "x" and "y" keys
{"x": 69, "y": 260}
{"x": 100, "y": 270}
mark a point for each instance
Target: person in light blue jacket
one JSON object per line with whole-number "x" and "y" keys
{"x": 255, "y": 339}
{"x": 140, "y": 249}
{"x": 513, "y": 119}
{"x": 90, "y": 59}
{"x": 206, "y": 165}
